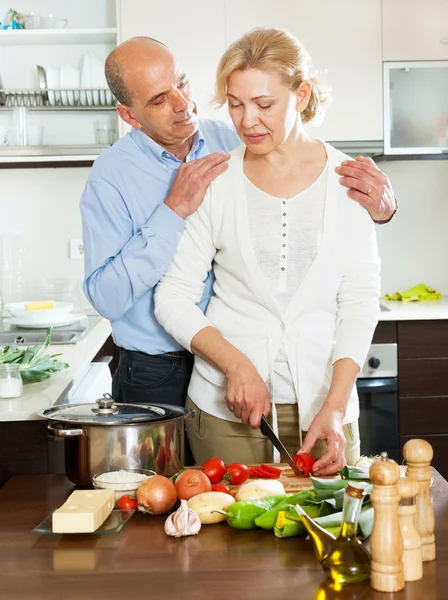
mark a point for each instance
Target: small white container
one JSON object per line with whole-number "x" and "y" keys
{"x": 125, "y": 482}
{"x": 11, "y": 385}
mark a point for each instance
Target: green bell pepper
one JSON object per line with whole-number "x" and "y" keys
{"x": 242, "y": 515}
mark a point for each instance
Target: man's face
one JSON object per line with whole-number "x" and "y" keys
{"x": 162, "y": 106}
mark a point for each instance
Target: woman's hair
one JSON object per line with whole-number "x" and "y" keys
{"x": 276, "y": 51}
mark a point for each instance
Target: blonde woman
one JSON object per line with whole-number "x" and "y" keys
{"x": 297, "y": 274}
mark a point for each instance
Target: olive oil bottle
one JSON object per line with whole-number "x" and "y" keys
{"x": 348, "y": 561}
{"x": 344, "y": 559}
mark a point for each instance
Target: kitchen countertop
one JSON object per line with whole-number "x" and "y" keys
{"x": 142, "y": 562}
{"x": 414, "y": 311}
{"x": 41, "y": 395}
{"x": 37, "y": 396}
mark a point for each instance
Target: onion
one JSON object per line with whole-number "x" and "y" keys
{"x": 156, "y": 495}
{"x": 191, "y": 483}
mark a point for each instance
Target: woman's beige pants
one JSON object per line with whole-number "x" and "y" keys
{"x": 235, "y": 442}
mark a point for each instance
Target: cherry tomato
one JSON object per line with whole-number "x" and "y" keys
{"x": 127, "y": 503}
{"x": 305, "y": 463}
{"x": 237, "y": 473}
{"x": 221, "y": 487}
{"x": 214, "y": 468}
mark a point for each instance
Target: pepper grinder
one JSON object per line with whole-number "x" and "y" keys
{"x": 418, "y": 455}
{"x": 412, "y": 545}
{"x": 386, "y": 545}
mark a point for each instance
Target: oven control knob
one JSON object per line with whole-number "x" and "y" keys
{"x": 374, "y": 362}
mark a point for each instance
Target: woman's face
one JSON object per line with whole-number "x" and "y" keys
{"x": 263, "y": 109}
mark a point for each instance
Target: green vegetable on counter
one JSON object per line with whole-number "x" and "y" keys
{"x": 306, "y": 498}
{"x": 242, "y": 515}
{"x": 35, "y": 364}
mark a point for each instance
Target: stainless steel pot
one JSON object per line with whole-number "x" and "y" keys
{"x": 108, "y": 435}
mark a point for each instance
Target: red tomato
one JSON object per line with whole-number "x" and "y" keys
{"x": 221, "y": 487}
{"x": 237, "y": 473}
{"x": 305, "y": 463}
{"x": 127, "y": 503}
{"x": 214, "y": 468}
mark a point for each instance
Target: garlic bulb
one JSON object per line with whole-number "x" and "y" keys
{"x": 182, "y": 522}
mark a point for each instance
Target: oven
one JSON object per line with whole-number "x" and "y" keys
{"x": 377, "y": 386}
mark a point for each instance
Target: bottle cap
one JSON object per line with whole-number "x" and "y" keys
{"x": 356, "y": 490}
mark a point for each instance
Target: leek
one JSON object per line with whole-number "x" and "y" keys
{"x": 35, "y": 364}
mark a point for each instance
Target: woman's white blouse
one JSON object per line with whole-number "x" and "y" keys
{"x": 285, "y": 235}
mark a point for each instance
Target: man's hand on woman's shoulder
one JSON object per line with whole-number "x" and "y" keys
{"x": 369, "y": 186}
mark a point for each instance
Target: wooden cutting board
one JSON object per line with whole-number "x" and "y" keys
{"x": 290, "y": 482}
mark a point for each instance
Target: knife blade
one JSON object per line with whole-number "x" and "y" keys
{"x": 267, "y": 431}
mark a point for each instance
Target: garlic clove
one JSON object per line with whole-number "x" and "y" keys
{"x": 182, "y": 522}
{"x": 170, "y": 529}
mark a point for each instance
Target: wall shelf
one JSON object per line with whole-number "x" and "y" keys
{"x": 61, "y": 108}
{"x": 21, "y": 37}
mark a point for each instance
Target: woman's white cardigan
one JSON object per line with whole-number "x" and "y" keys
{"x": 333, "y": 314}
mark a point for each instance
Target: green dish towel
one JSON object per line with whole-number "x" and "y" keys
{"x": 419, "y": 293}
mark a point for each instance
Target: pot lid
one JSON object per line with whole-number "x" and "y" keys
{"x": 106, "y": 412}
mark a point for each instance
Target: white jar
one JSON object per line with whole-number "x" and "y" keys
{"x": 11, "y": 385}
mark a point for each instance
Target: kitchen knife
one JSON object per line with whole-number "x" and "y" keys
{"x": 267, "y": 430}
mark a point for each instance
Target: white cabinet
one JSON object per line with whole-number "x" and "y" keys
{"x": 344, "y": 39}
{"x": 415, "y": 30}
{"x": 194, "y": 31}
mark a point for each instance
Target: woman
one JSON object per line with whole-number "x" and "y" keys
{"x": 297, "y": 274}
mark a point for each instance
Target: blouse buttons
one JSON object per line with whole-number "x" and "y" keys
{"x": 283, "y": 255}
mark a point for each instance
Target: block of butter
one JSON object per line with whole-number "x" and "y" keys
{"x": 44, "y": 305}
{"x": 84, "y": 511}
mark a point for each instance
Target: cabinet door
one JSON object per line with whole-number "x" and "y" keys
{"x": 195, "y": 32}
{"x": 415, "y": 30}
{"x": 344, "y": 39}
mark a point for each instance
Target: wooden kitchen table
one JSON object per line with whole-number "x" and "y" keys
{"x": 142, "y": 562}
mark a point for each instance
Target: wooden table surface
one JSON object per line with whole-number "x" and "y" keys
{"x": 142, "y": 562}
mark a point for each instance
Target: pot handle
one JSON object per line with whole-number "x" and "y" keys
{"x": 58, "y": 430}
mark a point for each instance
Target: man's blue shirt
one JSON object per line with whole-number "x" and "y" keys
{"x": 130, "y": 235}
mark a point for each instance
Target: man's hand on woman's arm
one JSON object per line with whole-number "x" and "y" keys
{"x": 369, "y": 186}
{"x": 327, "y": 425}
{"x": 247, "y": 395}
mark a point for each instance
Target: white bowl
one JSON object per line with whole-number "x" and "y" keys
{"x": 58, "y": 313}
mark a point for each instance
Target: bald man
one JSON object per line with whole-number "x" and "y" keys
{"x": 137, "y": 196}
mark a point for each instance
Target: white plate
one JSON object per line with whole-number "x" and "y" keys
{"x": 59, "y": 312}
{"x": 68, "y": 320}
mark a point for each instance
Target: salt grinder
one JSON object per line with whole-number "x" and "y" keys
{"x": 386, "y": 545}
{"x": 412, "y": 545}
{"x": 418, "y": 455}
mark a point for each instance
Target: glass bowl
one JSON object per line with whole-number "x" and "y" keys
{"x": 111, "y": 480}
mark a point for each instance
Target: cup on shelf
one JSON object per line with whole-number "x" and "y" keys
{"x": 104, "y": 133}
{"x": 33, "y": 21}
{"x": 51, "y": 21}
{"x": 6, "y": 135}
{"x": 34, "y": 135}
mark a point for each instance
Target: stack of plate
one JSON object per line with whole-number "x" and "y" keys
{"x": 58, "y": 316}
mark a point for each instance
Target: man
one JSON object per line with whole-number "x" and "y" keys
{"x": 136, "y": 199}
